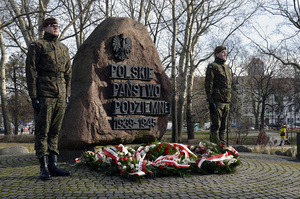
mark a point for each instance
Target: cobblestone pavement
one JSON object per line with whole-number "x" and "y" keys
{"x": 259, "y": 176}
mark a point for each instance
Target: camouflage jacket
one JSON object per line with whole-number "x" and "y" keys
{"x": 218, "y": 82}
{"x": 48, "y": 68}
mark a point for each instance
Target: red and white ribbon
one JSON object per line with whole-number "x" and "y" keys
{"x": 185, "y": 149}
{"x": 111, "y": 153}
{"x": 216, "y": 158}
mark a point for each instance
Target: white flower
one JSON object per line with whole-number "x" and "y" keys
{"x": 108, "y": 160}
{"x": 130, "y": 159}
{"x": 186, "y": 161}
{"x": 124, "y": 167}
{"x": 120, "y": 154}
{"x": 132, "y": 166}
{"x": 129, "y": 154}
{"x": 147, "y": 149}
{"x": 192, "y": 147}
{"x": 119, "y": 163}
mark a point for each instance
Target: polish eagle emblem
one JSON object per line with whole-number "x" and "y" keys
{"x": 121, "y": 47}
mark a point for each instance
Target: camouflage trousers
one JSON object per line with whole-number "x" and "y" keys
{"x": 219, "y": 120}
{"x": 48, "y": 123}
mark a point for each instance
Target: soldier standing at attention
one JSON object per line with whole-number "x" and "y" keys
{"x": 48, "y": 75}
{"x": 218, "y": 82}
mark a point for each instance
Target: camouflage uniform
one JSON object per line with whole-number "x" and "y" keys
{"x": 48, "y": 73}
{"x": 218, "y": 90}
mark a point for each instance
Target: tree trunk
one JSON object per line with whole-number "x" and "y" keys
{"x": 141, "y": 10}
{"x": 16, "y": 107}
{"x": 5, "y": 113}
{"x": 183, "y": 71}
{"x": 173, "y": 76}
{"x": 189, "y": 106}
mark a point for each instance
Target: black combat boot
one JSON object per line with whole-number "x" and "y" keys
{"x": 53, "y": 167}
{"x": 44, "y": 172}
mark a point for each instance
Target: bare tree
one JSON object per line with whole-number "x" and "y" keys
{"x": 198, "y": 19}
{"x": 284, "y": 49}
{"x": 5, "y": 113}
{"x": 18, "y": 104}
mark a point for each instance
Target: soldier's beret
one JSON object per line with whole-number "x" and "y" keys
{"x": 219, "y": 49}
{"x": 48, "y": 21}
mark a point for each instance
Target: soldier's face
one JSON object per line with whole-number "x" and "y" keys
{"x": 52, "y": 29}
{"x": 222, "y": 55}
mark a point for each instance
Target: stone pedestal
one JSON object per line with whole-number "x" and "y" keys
{"x": 116, "y": 98}
{"x": 69, "y": 155}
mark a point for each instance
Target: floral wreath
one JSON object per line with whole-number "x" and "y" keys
{"x": 162, "y": 159}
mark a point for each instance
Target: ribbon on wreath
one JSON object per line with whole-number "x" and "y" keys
{"x": 79, "y": 160}
{"x": 230, "y": 148}
{"x": 141, "y": 165}
{"x": 167, "y": 157}
{"x": 171, "y": 162}
{"x": 217, "y": 158}
{"x": 186, "y": 150}
{"x": 111, "y": 153}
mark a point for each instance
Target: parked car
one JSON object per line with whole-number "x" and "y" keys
{"x": 274, "y": 126}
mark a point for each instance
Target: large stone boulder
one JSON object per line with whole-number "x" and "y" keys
{"x": 14, "y": 150}
{"x": 88, "y": 118}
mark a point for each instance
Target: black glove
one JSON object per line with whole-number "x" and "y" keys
{"x": 36, "y": 104}
{"x": 212, "y": 108}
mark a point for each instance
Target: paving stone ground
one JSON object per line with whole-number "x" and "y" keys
{"x": 259, "y": 176}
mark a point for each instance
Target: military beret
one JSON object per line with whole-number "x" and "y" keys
{"x": 48, "y": 21}
{"x": 219, "y": 49}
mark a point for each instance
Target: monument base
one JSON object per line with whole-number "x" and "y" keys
{"x": 69, "y": 155}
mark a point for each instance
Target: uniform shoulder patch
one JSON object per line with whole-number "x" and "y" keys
{"x": 210, "y": 66}
{"x": 32, "y": 44}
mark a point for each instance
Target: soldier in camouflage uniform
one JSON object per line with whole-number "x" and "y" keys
{"x": 218, "y": 82}
{"x": 48, "y": 74}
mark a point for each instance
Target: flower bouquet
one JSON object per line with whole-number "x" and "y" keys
{"x": 162, "y": 159}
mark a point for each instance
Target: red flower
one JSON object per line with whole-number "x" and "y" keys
{"x": 157, "y": 149}
{"x": 150, "y": 172}
{"x": 228, "y": 152}
{"x": 174, "y": 147}
{"x": 122, "y": 172}
{"x": 167, "y": 152}
{"x": 125, "y": 158}
{"x": 150, "y": 152}
{"x": 121, "y": 158}
{"x": 99, "y": 160}
{"x": 118, "y": 167}
{"x": 160, "y": 144}
{"x": 222, "y": 145}
{"x": 132, "y": 171}
{"x": 161, "y": 167}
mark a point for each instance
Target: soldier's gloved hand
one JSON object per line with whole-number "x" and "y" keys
{"x": 67, "y": 100}
{"x": 212, "y": 108}
{"x": 36, "y": 104}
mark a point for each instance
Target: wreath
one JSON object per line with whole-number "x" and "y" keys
{"x": 162, "y": 159}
